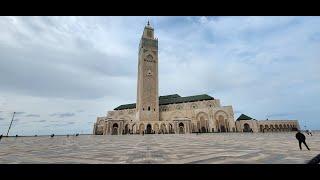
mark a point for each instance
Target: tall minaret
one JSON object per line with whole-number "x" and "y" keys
{"x": 147, "y": 93}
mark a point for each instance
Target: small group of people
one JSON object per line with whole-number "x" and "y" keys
{"x": 52, "y": 135}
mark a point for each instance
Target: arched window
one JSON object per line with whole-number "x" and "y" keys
{"x": 148, "y": 108}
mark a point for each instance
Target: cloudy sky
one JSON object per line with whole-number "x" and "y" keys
{"x": 60, "y": 73}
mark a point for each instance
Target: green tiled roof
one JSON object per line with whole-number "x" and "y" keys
{"x": 244, "y": 117}
{"x": 126, "y": 106}
{"x": 169, "y": 96}
{"x": 176, "y": 100}
{"x": 171, "y": 99}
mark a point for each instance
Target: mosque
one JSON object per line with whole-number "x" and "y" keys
{"x": 174, "y": 114}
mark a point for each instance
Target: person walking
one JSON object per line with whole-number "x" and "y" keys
{"x": 0, "y": 137}
{"x": 302, "y": 139}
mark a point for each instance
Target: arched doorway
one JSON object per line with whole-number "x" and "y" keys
{"x": 170, "y": 129}
{"x": 246, "y": 127}
{"x": 181, "y": 128}
{"x": 133, "y": 129}
{"x": 222, "y": 123}
{"x": 203, "y": 124}
{"x": 126, "y": 129}
{"x": 222, "y": 128}
{"x": 141, "y": 128}
{"x": 271, "y": 127}
{"x": 149, "y": 129}
{"x": 115, "y": 129}
{"x": 163, "y": 129}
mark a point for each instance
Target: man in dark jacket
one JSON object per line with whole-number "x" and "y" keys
{"x": 302, "y": 139}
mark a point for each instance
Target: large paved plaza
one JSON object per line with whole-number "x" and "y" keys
{"x": 240, "y": 148}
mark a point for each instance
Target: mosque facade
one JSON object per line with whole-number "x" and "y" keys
{"x": 174, "y": 114}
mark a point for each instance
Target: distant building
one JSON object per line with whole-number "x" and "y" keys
{"x": 171, "y": 113}
{"x": 245, "y": 123}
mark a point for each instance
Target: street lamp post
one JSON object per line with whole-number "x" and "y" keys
{"x": 11, "y": 122}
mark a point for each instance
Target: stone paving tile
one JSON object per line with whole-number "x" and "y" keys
{"x": 240, "y": 148}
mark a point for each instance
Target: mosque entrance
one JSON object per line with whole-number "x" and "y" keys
{"x": 246, "y": 127}
{"x": 149, "y": 129}
{"x": 222, "y": 129}
{"x": 181, "y": 128}
{"x": 126, "y": 129}
{"x": 115, "y": 129}
{"x": 203, "y": 130}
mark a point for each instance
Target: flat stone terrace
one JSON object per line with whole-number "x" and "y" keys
{"x": 211, "y": 148}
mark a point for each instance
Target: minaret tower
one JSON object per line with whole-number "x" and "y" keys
{"x": 147, "y": 92}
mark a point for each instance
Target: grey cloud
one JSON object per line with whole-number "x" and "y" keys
{"x": 33, "y": 115}
{"x": 16, "y": 120}
{"x": 279, "y": 114}
{"x": 2, "y": 118}
{"x": 58, "y": 125}
{"x": 43, "y": 120}
{"x": 19, "y": 113}
{"x": 60, "y": 62}
{"x": 232, "y": 59}
{"x": 62, "y": 115}
{"x": 53, "y": 74}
